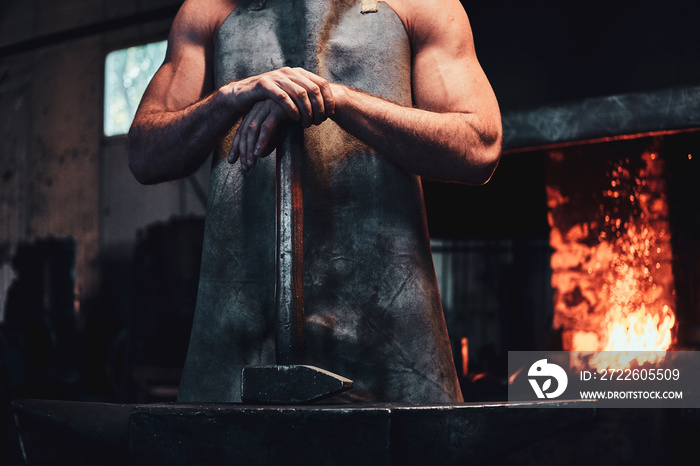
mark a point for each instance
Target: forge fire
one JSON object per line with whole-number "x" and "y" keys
{"x": 611, "y": 261}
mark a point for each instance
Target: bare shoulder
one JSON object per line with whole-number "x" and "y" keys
{"x": 430, "y": 22}
{"x": 186, "y": 74}
{"x": 199, "y": 20}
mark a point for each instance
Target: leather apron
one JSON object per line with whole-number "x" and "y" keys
{"x": 373, "y": 312}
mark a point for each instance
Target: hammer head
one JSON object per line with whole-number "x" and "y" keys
{"x": 294, "y": 384}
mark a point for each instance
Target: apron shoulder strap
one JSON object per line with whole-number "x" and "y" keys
{"x": 369, "y": 6}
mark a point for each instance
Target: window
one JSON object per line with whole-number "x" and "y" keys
{"x": 127, "y": 73}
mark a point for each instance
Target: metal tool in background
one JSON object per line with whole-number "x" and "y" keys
{"x": 289, "y": 381}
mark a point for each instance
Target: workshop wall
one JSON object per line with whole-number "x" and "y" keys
{"x": 59, "y": 175}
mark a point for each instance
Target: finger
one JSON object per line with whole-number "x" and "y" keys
{"x": 325, "y": 90}
{"x": 312, "y": 95}
{"x": 298, "y": 87}
{"x": 267, "y": 87}
{"x": 285, "y": 101}
{"x": 265, "y": 142}
{"x": 301, "y": 98}
{"x": 237, "y": 151}
{"x": 243, "y": 142}
{"x": 254, "y": 120}
{"x": 234, "y": 153}
{"x": 253, "y": 132}
{"x": 242, "y": 139}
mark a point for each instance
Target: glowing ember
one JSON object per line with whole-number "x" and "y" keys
{"x": 611, "y": 266}
{"x": 465, "y": 356}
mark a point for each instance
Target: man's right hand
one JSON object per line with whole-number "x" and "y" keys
{"x": 257, "y": 136}
{"x": 304, "y": 96}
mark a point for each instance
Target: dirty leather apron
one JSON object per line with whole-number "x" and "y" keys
{"x": 373, "y": 312}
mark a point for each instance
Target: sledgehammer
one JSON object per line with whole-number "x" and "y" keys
{"x": 289, "y": 382}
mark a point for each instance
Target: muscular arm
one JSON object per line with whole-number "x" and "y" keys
{"x": 451, "y": 146}
{"x": 175, "y": 127}
{"x": 179, "y": 119}
{"x": 453, "y": 133}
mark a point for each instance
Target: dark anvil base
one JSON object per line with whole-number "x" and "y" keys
{"x": 367, "y": 434}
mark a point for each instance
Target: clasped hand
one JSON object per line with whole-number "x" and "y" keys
{"x": 270, "y": 99}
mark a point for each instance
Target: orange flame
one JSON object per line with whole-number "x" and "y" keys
{"x": 614, "y": 293}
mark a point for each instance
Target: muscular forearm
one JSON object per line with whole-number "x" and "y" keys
{"x": 457, "y": 147}
{"x": 166, "y": 145}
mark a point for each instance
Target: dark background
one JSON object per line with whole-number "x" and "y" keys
{"x": 536, "y": 53}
